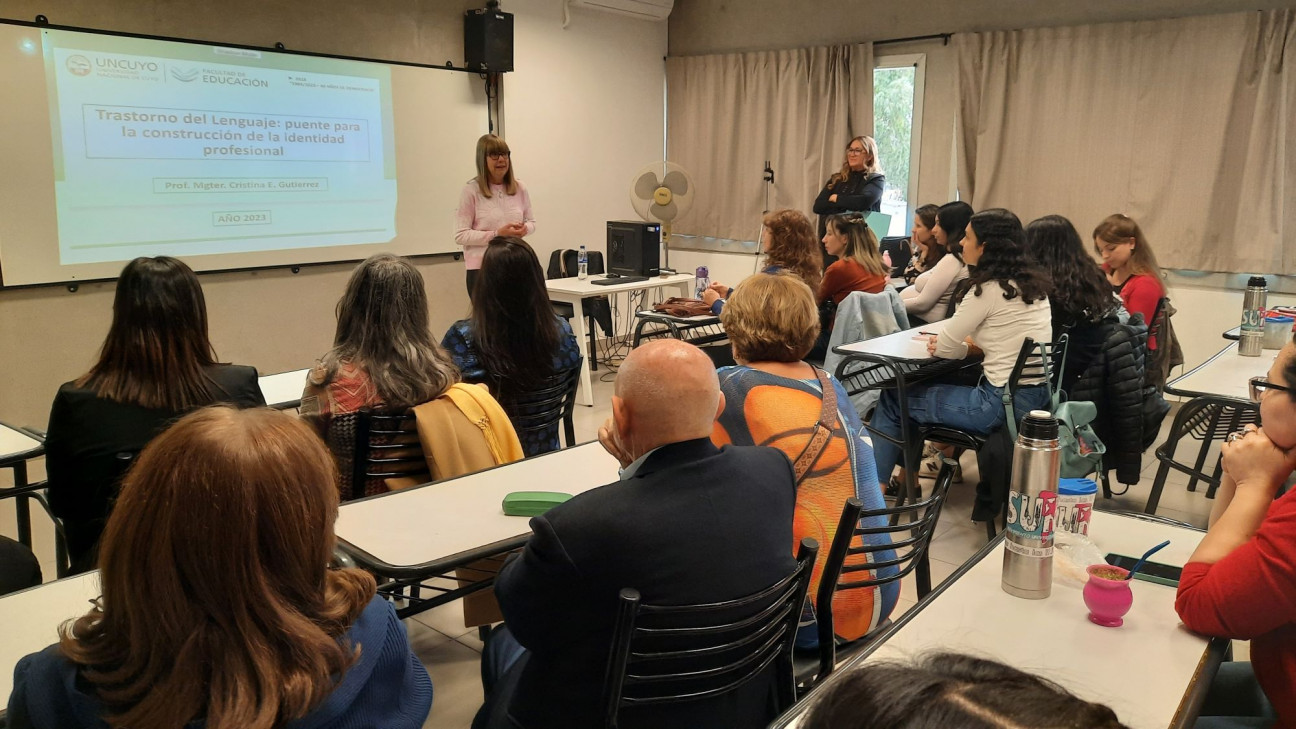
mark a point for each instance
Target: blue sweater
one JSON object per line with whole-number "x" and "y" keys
{"x": 386, "y": 687}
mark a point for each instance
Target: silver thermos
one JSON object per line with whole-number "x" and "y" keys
{"x": 1251, "y": 342}
{"x": 1032, "y": 508}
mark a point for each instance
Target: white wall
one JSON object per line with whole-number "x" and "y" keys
{"x": 582, "y": 116}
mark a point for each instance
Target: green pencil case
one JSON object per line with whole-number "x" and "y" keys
{"x": 532, "y": 503}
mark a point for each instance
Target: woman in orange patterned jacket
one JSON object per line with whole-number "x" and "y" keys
{"x": 772, "y": 398}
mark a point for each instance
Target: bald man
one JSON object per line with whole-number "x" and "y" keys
{"x": 685, "y": 523}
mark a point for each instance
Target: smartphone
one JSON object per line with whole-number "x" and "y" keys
{"x": 1161, "y": 574}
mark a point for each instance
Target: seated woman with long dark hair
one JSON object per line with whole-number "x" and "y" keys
{"x": 155, "y": 365}
{"x": 774, "y": 398}
{"x": 384, "y": 355}
{"x": 1007, "y": 302}
{"x": 218, "y": 607}
{"x": 1081, "y": 296}
{"x": 928, "y": 299}
{"x": 513, "y": 341}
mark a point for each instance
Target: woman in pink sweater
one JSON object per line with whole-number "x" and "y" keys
{"x": 494, "y": 203}
{"x": 1240, "y": 583}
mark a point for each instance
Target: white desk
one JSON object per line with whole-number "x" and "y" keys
{"x": 16, "y": 448}
{"x": 431, "y": 528}
{"x": 1227, "y": 374}
{"x": 574, "y": 291}
{"x": 283, "y": 391}
{"x": 31, "y": 619}
{"x": 909, "y": 345}
{"x": 1142, "y": 670}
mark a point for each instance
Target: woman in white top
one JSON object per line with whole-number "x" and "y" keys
{"x": 1006, "y": 303}
{"x": 928, "y": 299}
{"x": 494, "y": 203}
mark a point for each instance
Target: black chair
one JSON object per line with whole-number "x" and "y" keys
{"x": 675, "y": 653}
{"x": 910, "y": 529}
{"x": 1207, "y": 419}
{"x": 901, "y": 253}
{"x": 541, "y": 409}
{"x": 1155, "y": 364}
{"x": 1036, "y": 360}
{"x": 565, "y": 264}
{"x": 372, "y": 445}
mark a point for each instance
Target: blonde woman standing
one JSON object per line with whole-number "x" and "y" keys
{"x": 494, "y": 203}
{"x": 856, "y": 187}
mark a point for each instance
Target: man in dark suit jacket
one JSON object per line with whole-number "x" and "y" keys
{"x": 686, "y": 523}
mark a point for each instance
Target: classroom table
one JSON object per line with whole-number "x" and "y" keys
{"x": 283, "y": 391}
{"x": 17, "y": 447}
{"x": 895, "y": 361}
{"x": 31, "y": 619}
{"x": 574, "y": 291}
{"x": 425, "y": 532}
{"x": 1227, "y": 373}
{"x": 1151, "y": 671}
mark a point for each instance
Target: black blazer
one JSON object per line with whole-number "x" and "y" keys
{"x": 86, "y": 432}
{"x": 694, "y": 524}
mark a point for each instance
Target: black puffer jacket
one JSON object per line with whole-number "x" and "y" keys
{"x": 1115, "y": 381}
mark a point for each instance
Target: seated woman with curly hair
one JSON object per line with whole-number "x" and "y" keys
{"x": 1007, "y": 302}
{"x": 789, "y": 244}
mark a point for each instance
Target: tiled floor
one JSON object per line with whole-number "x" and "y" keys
{"x": 452, "y": 652}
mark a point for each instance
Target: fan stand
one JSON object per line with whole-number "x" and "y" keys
{"x": 666, "y": 235}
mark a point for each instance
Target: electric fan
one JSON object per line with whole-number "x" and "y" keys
{"x": 661, "y": 192}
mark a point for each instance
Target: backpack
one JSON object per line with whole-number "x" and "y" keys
{"x": 1082, "y": 451}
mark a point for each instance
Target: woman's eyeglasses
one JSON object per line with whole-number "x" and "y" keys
{"x": 854, "y": 150}
{"x": 1260, "y": 384}
{"x": 499, "y": 155}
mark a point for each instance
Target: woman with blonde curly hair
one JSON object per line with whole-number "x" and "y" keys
{"x": 218, "y": 604}
{"x": 790, "y": 245}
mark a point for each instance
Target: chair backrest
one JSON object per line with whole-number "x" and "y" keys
{"x": 1035, "y": 361}
{"x": 689, "y": 652}
{"x": 909, "y": 530}
{"x": 901, "y": 253}
{"x": 565, "y": 263}
{"x": 1159, "y": 315}
{"x": 375, "y": 444}
{"x": 542, "y": 408}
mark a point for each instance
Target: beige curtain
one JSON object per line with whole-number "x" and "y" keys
{"x": 1184, "y": 125}
{"x": 728, "y": 114}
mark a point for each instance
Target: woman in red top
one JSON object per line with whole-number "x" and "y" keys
{"x": 1130, "y": 266}
{"x": 858, "y": 267}
{"x": 1240, "y": 583}
{"x": 859, "y": 264}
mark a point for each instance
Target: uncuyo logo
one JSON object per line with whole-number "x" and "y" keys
{"x": 78, "y": 65}
{"x": 184, "y": 74}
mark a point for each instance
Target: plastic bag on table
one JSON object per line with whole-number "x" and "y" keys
{"x": 1072, "y": 554}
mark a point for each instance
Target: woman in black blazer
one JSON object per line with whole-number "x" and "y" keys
{"x": 856, "y": 188}
{"x": 155, "y": 365}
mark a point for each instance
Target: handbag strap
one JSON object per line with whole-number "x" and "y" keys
{"x": 823, "y": 428}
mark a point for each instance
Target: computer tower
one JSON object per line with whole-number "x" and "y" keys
{"x": 634, "y": 247}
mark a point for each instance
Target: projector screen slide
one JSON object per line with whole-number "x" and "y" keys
{"x": 225, "y": 157}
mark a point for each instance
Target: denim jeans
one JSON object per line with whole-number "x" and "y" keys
{"x": 978, "y": 410}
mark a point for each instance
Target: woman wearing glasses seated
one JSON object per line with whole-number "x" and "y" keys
{"x": 494, "y": 203}
{"x": 856, "y": 187}
{"x": 1240, "y": 583}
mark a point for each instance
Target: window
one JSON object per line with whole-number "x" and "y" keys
{"x": 897, "y": 127}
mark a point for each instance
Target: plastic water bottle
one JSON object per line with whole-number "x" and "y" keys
{"x": 1032, "y": 508}
{"x": 1253, "y": 312}
{"x": 701, "y": 280}
{"x": 582, "y": 263}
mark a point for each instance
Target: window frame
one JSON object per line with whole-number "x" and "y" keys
{"x": 918, "y": 61}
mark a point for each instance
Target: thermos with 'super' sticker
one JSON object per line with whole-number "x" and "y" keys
{"x": 1032, "y": 508}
